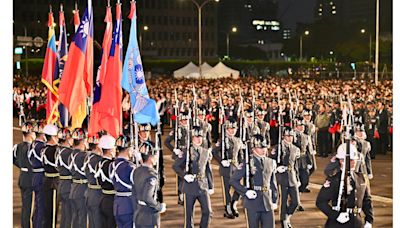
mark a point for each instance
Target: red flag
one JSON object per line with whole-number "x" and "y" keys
{"x": 74, "y": 83}
{"x": 50, "y": 72}
{"x": 77, "y": 21}
{"x": 94, "y": 125}
{"x": 110, "y": 101}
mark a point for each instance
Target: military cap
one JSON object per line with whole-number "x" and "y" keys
{"x": 287, "y": 131}
{"x": 27, "y": 127}
{"x": 50, "y": 129}
{"x": 147, "y": 148}
{"x": 299, "y": 121}
{"x": 79, "y": 134}
{"x": 260, "y": 111}
{"x": 258, "y": 141}
{"x": 231, "y": 123}
{"x": 201, "y": 111}
{"x": 184, "y": 115}
{"x": 197, "y": 131}
{"x": 123, "y": 142}
{"x": 63, "y": 133}
{"x": 249, "y": 112}
{"x": 38, "y": 127}
{"x": 358, "y": 126}
{"x": 94, "y": 139}
{"x": 307, "y": 112}
{"x": 144, "y": 127}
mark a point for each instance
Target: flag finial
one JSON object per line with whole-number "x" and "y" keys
{"x": 51, "y": 9}
{"x": 108, "y": 3}
{"x": 61, "y": 7}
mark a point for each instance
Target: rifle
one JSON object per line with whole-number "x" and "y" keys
{"x": 221, "y": 127}
{"x": 188, "y": 142}
{"x": 194, "y": 106}
{"x": 176, "y": 107}
{"x": 245, "y": 141}
{"x": 253, "y": 101}
{"x": 348, "y": 120}
{"x": 291, "y": 114}
{"x": 158, "y": 149}
{"x": 279, "y": 126}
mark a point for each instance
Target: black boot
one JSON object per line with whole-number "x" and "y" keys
{"x": 235, "y": 212}
{"x": 300, "y": 208}
{"x": 228, "y": 212}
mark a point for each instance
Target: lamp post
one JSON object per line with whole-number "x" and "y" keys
{"x": 234, "y": 29}
{"x": 377, "y": 43}
{"x": 363, "y": 31}
{"x": 145, "y": 28}
{"x": 199, "y": 8}
{"x": 301, "y": 43}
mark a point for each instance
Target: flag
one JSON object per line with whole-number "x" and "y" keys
{"x": 109, "y": 106}
{"x": 94, "y": 125}
{"x": 77, "y": 74}
{"x": 62, "y": 58}
{"x": 133, "y": 81}
{"x": 50, "y": 73}
{"x": 77, "y": 21}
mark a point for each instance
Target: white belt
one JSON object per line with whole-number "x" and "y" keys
{"x": 354, "y": 210}
{"x": 142, "y": 203}
{"x": 261, "y": 188}
{"x": 39, "y": 170}
{"x": 126, "y": 194}
{"x": 24, "y": 169}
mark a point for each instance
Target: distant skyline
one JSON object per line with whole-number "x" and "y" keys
{"x": 291, "y": 12}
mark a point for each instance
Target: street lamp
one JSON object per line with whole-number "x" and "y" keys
{"x": 363, "y": 31}
{"x": 301, "y": 43}
{"x": 233, "y": 30}
{"x": 145, "y": 29}
{"x": 199, "y": 8}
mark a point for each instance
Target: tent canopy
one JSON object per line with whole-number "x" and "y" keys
{"x": 191, "y": 71}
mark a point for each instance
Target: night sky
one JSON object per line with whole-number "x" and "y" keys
{"x": 292, "y": 12}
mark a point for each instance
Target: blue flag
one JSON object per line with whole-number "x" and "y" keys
{"x": 62, "y": 58}
{"x": 133, "y": 81}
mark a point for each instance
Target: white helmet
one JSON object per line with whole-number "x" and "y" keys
{"x": 107, "y": 142}
{"x": 50, "y": 129}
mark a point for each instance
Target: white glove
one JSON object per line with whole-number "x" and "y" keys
{"x": 274, "y": 206}
{"x": 281, "y": 169}
{"x": 298, "y": 183}
{"x": 225, "y": 163}
{"x": 217, "y": 144}
{"x": 370, "y": 176}
{"x": 189, "y": 178}
{"x": 163, "y": 208}
{"x": 210, "y": 191}
{"x": 243, "y": 146}
{"x": 367, "y": 225}
{"x": 251, "y": 194}
{"x": 309, "y": 166}
{"x": 313, "y": 152}
{"x": 343, "y": 217}
{"x": 177, "y": 151}
{"x": 138, "y": 155}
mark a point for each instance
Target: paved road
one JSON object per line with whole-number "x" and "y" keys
{"x": 312, "y": 217}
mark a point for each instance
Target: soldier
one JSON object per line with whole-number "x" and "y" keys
{"x": 197, "y": 185}
{"x": 144, "y": 136}
{"x": 322, "y": 126}
{"x": 260, "y": 191}
{"x": 93, "y": 195}
{"x": 146, "y": 184}
{"x": 180, "y": 136}
{"x": 371, "y": 128}
{"x": 364, "y": 148}
{"x": 305, "y": 160}
{"x": 214, "y": 111}
{"x": 229, "y": 160}
{"x": 309, "y": 130}
{"x": 251, "y": 127}
{"x": 35, "y": 160}
{"x": 122, "y": 176}
{"x": 272, "y": 119}
{"x": 79, "y": 181}
{"x": 286, "y": 175}
{"x": 50, "y": 183}
{"x": 201, "y": 115}
{"x": 263, "y": 125}
{"x": 20, "y": 155}
{"x": 107, "y": 144}
{"x": 64, "y": 186}
{"x": 358, "y": 195}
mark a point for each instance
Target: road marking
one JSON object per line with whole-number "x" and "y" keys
{"x": 381, "y": 199}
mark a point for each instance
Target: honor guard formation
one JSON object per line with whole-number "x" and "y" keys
{"x": 264, "y": 136}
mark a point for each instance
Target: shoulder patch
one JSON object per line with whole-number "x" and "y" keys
{"x": 327, "y": 184}
{"x": 153, "y": 181}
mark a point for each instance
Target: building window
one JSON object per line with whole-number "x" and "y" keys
{"x": 171, "y": 52}
{"x": 177, "y": 21}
